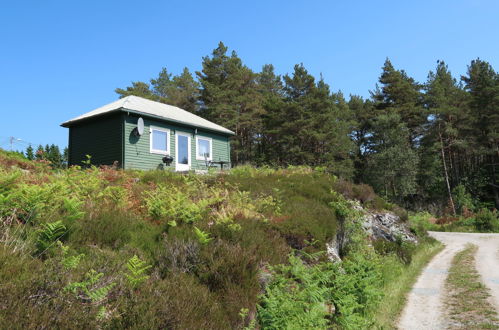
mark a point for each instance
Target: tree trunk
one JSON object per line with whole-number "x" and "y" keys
{"x": 446, "y": 174}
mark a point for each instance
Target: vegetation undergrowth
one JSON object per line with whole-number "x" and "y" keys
{"x": 468, "y": 303}
{"x": 106, "y": 248}
{"x": 482, "y": 221}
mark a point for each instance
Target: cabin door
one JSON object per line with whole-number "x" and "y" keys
{"x": 183, "y": 151}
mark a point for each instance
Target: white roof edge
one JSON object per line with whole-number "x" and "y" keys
{"x": 153, "y": 109}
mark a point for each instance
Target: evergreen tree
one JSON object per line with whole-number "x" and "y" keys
{"x": 181, "y": 91}
{"x": 54, "y": 156}
{"x": 392, "y": 163}
{"x": 271, "y": 88}
{"x": 445, "y": 101}
{"x": 30, "y": 153}
{"x": 138, "y": 88}
{"x": 314, "y": 124}
{"x": 401, "y": 94}
{"x": 230, "y": 97}
{"x": 363, "y": 113}
{"x": 184, "y": 92}
{"x": 65, "y": 157}
{"x": 482, "y": 83}
{"x": 40, "y": 153}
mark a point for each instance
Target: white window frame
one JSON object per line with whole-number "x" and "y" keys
{"x": 168, "y": 140}
{"x": 198, "y": 157}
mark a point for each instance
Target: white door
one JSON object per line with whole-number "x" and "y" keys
{"x": 183, "y": 151}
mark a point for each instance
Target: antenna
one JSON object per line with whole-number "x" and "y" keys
{"x": 11, "y": 140}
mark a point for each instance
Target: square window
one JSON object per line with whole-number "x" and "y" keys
{"x": 160, "y": 141}
{"x": 203, "y": 148}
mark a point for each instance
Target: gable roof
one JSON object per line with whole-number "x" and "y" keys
{"x": 159, "y": 110}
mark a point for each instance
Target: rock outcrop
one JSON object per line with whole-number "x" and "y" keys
{"x": 387, "y": 226}
{"x": 378, "y": 225}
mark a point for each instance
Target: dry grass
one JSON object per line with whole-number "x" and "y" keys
{"x": 468, "y": 298}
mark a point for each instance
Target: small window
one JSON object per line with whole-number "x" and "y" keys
{"x": 203, "y": 148}
{"x": 160, "y": 141}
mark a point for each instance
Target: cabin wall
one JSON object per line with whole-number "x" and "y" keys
{"x": 100, "y": 138}
{"x": 137, "y": 153}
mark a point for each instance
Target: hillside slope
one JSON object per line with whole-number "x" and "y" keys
{"x": 105, "y": 248}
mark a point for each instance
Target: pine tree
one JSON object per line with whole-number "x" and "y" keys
{"x": 482, "y": 83}
{"x": 314, "y": 124}
{"x": 271, "y": 88}
{"x": 184, "y": 92}
{"x": 445, "y": 101}
{"x": 230, "y": 97}
{"x": 401, "y": 94}
{"x": 392, "y": 163}
{"x": 40, "y": 153}
{"x": 181, "y": 91}
{"x": 138, "y": 88}
{"x": 30, "y": 153}
{"x": 54, "y": 156}
{"x": 363, "y": 113}
{"x": 65, "y": 157}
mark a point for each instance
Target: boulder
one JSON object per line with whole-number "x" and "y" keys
{"x": 378, "y": 225}
{"x": 387, "y": 226}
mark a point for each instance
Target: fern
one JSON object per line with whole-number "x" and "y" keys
{"x": 203, "y": 237}
{"x": 97, "y": 295}
{"x": 72, "y": 262}
{"x": 137, "y": 269}
{"x": 85, "y": 287}
{"x": 102, "y": 313}
{"x": 69, "y": 262}
{"x": 73, "y": 209}
{"x": 49, "y": 234}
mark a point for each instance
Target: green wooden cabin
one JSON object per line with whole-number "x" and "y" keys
{"x": 110, "y": 135}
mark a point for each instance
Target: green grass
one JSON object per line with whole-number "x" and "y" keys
{"x": 398, "y": 281}
{"x": 467, "y": 302}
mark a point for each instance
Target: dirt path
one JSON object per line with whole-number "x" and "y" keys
{"x": 424, "y": 308}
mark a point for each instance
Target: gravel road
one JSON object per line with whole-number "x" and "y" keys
{"x": 424, "y": 308}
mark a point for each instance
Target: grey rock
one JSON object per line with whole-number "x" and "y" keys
{"x": 387, "y": 226}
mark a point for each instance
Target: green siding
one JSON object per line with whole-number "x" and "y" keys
{"x": 101, "y": 138}
{"x": 137, "y": 150}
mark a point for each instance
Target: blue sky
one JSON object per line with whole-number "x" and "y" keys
{"x": 59, "y": 59}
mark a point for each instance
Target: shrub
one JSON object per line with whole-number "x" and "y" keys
{"x": 364, "y": 193}
{"x": 110, "y": 228}
{"x": 232, "y": 273}
{"x": 177, "y": 302}
{"x": 403, "y": 250}
{"x": 462, "y": 199}
{"x": 487, "y": 221}
{"x": 177, "y": 255}
{"x": 259, "y": 238}
{"x": 401, "y": 213}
